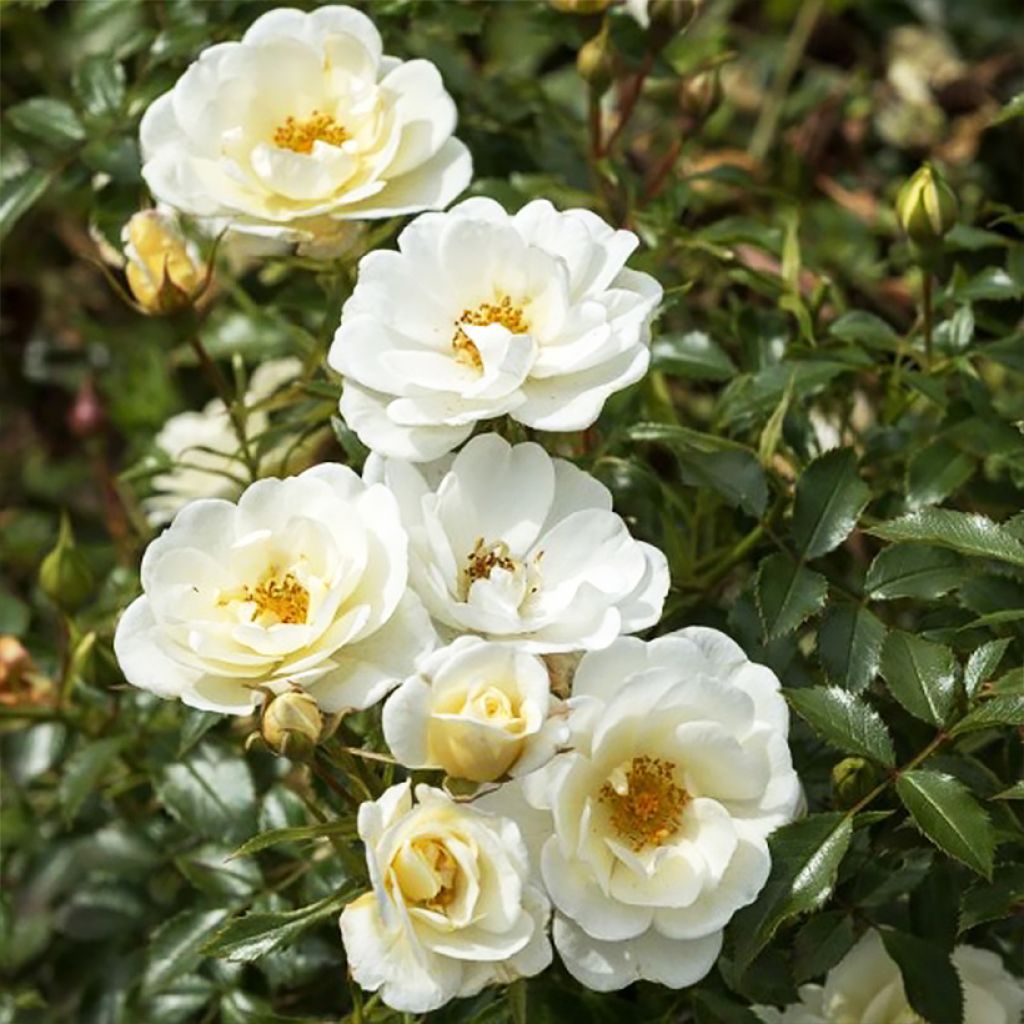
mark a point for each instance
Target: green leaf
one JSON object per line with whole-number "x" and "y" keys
{"x": 708, "y": 461}
{"x": 992, "y": 284}
{"x": 1010, "y": 110}
{"x": 850, "y": 645}
{"x": 100, "y": 84}
{"x": 694, "y": 355}
{"x": 1014, "y": 792}
{"x": 955, "y": 335}
{"x": 844, "y": 720}
{"x": 821, "y": 943}
{"x": 829, "y": 499}
{"x": 175, "y": 948}
{"x": 1004, "y": 709}
{"x": 293, "y": 834}
{"x": 805, "y": 859}
{"x": 18, "y": 195}
{"x": 935, "y": 472}
{"x": 921, "y": 675}
{"x": 992, "y": 901}
{"x": 211, "y": 792}
{"x": 968, "y": 533}
{"x": 247, "y": 938}
{"x": 195, "y": 726}
{"x": 983, "y": 663}
{"x": 84, "y": 769}
{"x": 48, "y": 120}
{"x": 948, "y": 814}
{"x": 861, "y": 328}
{"x": 929, "y": 979}
{"x": 713, "y": 1008}
{"x": 907, "y": 570}
{"x": 787, "y": 594}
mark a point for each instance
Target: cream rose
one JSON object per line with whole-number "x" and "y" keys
{"x": 478, "y": 710}
{"x": 534, "y": 315}
{"x": 303, "y": 123}
{"x": 866, "y": 987}
{"x": 656, "y": 822}
{"x": 204, "y": 452}
{"x": 302, "y": 582}
{"x": 511, "y": 544}
{"x": 452, "y": 908}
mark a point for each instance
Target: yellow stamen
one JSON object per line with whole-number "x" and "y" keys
{"x": 281, "y": 598}
{"x": 512, "y": 318}
{"x": 485, "y": 558}
{"x": 646, "y": 805}
{"x": 299, "y": 135}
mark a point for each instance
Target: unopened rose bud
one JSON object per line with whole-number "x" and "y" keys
{"x": 164, "y": 272}
{"x": 64, "y": 575}
{"x": 596, "y": 62}
{"x": 86, "y": 415}
{"x": 852, "y": 779}
{"x": 292, "y": 724}
{"x": 926, "y": 207}
{"x": 700, "y": 94}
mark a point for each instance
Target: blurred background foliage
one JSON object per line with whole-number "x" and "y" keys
{"x": 757, "y": 150}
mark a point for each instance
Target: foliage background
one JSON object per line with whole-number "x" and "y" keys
{"x": 791, "y": 325}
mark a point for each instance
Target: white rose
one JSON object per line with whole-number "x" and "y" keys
{"x": 515, "y": 545}
{"x": 203, "y": 447}
{"x": 451, "y": 910}
{"x": 302, "y": 122}
{"x": 659, "y": 817}
{"x": 533, "y": 315}
{"x": 477, "y": 709}
{"x": 302, "y": 582}
{"x": 866, "y": 987}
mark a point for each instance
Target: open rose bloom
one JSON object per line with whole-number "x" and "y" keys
{"x": 656, "y": 822}
{"x": 533, "y": 315}
{"x": 452, "y": 907}
{"x": 511, "y": 544}
{"x": 303, "y": 582}
{"x": 303, "y": 123}
{"x": 866, "y": 986}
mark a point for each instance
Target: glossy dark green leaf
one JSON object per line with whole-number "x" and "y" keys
{"x": 19, "y": 194}
{"x": 100, "y": 86}
{"x": 948, "y": 814}
{"x": 175, "y": 948}
{"x": 929, "y": 979}
{"x": 821, "y": 943}
{"x": 1003, "y": 709}
{"x": 50, "y": 121}
{"x": 862, "y": 328}
{"x": 850, "y": 645}
{"x": 910, "y": 570}
{"x": 992, "y": 901}
{"x": 805, "y": 859}
{"x": 787, "y": 594}
{"x": 983, "y": 663}
{"x": 693, "y": 354}
{"x": 251, "y": 936}
{"x": 830, "y": 497}
{"x": 844, "y": 720}
{"x": 968, "y": 533}
{"x": 936, "y": 472}
{"x": 921, "y": 675}
{"x": 84, "y": 770}
{"x": 211, "y": 792}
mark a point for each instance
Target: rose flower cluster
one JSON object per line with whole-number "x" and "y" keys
{"x": 615, "y": 793}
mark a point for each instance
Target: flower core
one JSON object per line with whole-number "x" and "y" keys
{"x": 512, "y": 318}
{"x": 426, "y": 873}
{"x": 644, "y": 801}
{"x": 485, "y": 558}
{"x": 279, "y": 599}
{"x": 299, "y": 134}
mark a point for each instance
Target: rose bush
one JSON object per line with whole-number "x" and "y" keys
{"x": 573, "y": 570}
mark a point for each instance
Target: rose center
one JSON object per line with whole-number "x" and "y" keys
{"x": 644, "y": 801}
{"x": 299, "y": 134}
{"x": 484, "y": 559}
{"x": 279, "y": 599}
{"x": 512, "y": 318}
{"x": 427, "y": 874}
